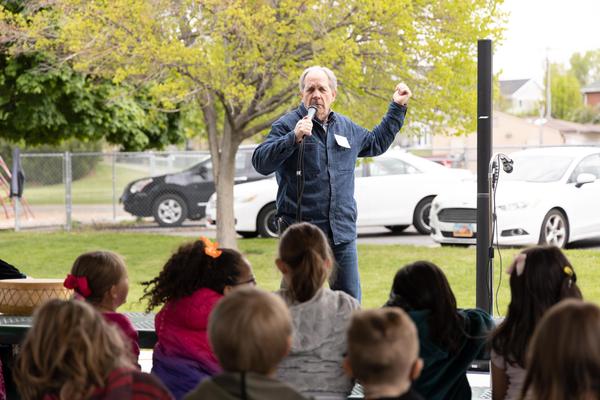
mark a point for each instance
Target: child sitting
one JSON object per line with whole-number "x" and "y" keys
{"x": 450, "y": 338}
{"x": 196, "y": 276}
{"x": 539, "y": 278}
{"x": 383, "y": 354}
{"x": 320, "y": 316}
{"x": 72, "y": 353}
{"x": 100, "y": 277}
{"x": 563, "y": 359}
{"x": 250, "y": 331}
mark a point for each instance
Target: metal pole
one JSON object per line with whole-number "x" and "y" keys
{"x": 114, "y": 186}
{"x": 484, "y": 153}
{"x": 14, "y": 186}
{"x": 68, "y": 199}
{"x": 548, "y": 89}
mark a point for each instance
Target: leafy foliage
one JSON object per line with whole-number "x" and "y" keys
{"x": 42, "y": 104}
{"x": 586, "y": 66}
{"x": 566, "y": 92}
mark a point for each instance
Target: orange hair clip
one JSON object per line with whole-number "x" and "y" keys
{"x": 211, "y": 249}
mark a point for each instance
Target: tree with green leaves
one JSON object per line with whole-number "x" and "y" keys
{"x": 239, "y": 61}
{"x": 566, "y": 92}
{"x": 586, "y": 66}
{"x": 42, "y": 103}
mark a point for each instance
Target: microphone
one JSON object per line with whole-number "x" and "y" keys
{"x": 507, "y": 163}
{"x": 312, "y": 109}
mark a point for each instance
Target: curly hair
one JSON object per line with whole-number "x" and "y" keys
{"x": 189, "y": 269}
{"x": 69, "y": 351}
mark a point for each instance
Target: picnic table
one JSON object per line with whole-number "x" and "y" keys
{"x": 14, "y": 327}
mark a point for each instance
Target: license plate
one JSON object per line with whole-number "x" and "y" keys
{"x": 463, "y": 230}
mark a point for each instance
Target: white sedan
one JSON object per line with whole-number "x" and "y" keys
{"x": 551, "y": 197}
{"x": 394, "y": 190}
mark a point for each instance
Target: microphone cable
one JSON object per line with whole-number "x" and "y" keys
{"x": 300, "y": 181}
{"x": 507, "y": 166}
{"x": 312, "y": 109}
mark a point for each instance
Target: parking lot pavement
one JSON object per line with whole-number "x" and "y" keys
{"x": 382, "y": 235}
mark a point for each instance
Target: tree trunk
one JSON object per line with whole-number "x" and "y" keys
{"x": 226, "y": 235}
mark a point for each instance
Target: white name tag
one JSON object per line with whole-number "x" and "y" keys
{"x": 342, "y": 141}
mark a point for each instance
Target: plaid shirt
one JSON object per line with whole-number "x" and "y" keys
{"x": 126, "y": 384}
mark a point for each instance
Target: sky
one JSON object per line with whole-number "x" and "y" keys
{"x": 540, "y": 28}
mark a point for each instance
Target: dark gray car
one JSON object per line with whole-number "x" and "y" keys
{"x": 173, "y": 198}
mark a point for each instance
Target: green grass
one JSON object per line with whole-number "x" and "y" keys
{"x": 50, "y": 255}
{"x": 95, "y": 188}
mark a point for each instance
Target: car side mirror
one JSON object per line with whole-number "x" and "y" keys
{"x": 584, "y": 178}
{"x": 203, "y": 171}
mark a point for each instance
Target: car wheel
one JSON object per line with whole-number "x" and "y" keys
{"x": 397, "y": 228}
{"x": 169, "y": 210}
{"x": 421, "y": 216}
{"x": 247, "y": 235}
{"x": 555, "y": 229}
{"x": 266, "y": 222}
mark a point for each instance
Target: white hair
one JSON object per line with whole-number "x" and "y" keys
{"x": 327, "y": 71}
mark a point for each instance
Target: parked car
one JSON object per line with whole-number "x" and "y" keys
{"x": 394, "y": 190}
{"x": 549, "y": 198}
{"x": 173, "y": 198}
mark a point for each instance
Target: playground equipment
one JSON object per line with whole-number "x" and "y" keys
{"x": 6, "y": 201}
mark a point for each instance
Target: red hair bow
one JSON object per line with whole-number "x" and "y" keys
{"x": 78, "y": 283}
{"x": 211, "y": 249}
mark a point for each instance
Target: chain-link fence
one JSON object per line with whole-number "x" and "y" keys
{"x": 67, "y": 189}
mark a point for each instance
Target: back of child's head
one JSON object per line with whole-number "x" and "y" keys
{"x": 195, "y": 265}
{"x": 305, "y": 250}
{"x": 69, "y": 350}
{"x": 250, "y": 331}
{"x": 383, "y": 346}
{"x": 94, "y": 273}
{"x": 422, "y": 286}
{"x": 540, "y": 277}
{"x": 563, "y": 359}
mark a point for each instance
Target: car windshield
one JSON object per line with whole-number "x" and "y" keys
{"x": 538, "y": 168}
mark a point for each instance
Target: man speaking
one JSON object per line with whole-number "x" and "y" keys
{"x": 314, "y": 160}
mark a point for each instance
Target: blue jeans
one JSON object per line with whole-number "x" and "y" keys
{"x": 346, "y": 277}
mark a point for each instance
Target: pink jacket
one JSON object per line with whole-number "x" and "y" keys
{"x": 181, "y": 327}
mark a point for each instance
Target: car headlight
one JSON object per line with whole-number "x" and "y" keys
{"x": 517, "y": 205}
{"x": 140, "y": 185}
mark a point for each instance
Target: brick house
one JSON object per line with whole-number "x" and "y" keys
{"x": 591, "y": 94}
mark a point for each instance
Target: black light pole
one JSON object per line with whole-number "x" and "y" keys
{"x": 483, "y": 291}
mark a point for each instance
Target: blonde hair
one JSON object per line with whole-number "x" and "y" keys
{"x": 103, "y": 270}
{"x": 563, "y": 360}
{"x": 249, "y": 330}
{"x": 305, "y": 250}
{"x": 382, "y": 345}
{"x": 69, "y": 351}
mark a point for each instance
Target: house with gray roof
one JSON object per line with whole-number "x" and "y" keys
{"x": 521, "y": 96}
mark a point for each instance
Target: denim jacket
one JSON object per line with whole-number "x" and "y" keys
{"x": 328, "y": 197}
